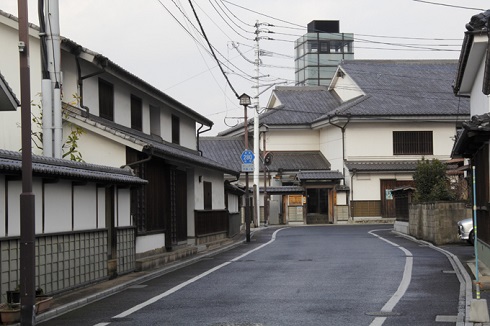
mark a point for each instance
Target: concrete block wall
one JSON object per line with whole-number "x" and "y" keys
{"x": 436, "y": 222}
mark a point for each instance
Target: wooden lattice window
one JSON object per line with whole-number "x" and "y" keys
{"x": 412, "y": 143}
{"x": 366, "y": 208}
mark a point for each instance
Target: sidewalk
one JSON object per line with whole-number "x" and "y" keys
{"x": 74, "y": 299}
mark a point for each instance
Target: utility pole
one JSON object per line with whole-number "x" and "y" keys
{"x": 27, "y": 199}
{"x": 256, "y": 125}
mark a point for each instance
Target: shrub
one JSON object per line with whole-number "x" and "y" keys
{"x": 431, "y": 182}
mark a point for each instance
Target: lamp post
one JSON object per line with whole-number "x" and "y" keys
{"x": 245, "y": 101}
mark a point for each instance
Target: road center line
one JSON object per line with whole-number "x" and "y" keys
{"x": 192, "y": 280}
{"x": 402, "y": 288}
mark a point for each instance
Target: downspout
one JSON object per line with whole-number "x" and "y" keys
{"x": 197, "y": 138}
{"x": 150, "y": 156}
{"x": 342, "y": 128}
{"x": 80, "y": 78}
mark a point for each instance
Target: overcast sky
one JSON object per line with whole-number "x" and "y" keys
{"x": 152, "y": 39}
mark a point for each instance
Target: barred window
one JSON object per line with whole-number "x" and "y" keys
{"x": 412, "y": 143}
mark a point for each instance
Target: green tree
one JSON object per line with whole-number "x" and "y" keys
{"x": 69, "y": 147}
{"x": 431, "y": 182}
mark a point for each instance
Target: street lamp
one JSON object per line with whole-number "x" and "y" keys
{"x": 245, "y": 101}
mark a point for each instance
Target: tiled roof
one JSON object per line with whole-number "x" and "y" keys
{"x": 475, "y": 133}
{"x": 403, "y": 88}
{"x": 158, "y": 146}
{"x": 227, "y": 150}
{"x": 284, "y": 190}
{"x": 8, "y": 100}
{"x": 381, "y": 166}
{"x": 320, "y": 175}
{"x": 11, "y": 163}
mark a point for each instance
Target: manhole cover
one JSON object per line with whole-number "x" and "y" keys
{"x": 383, "y": 313}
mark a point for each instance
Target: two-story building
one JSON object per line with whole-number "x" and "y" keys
{"x": 372, "y": 124}
{"x": 473, "y": 82}
{"x": 129, "y": 123}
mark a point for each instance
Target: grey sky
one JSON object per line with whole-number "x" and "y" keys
{"x": 144, "y": 38}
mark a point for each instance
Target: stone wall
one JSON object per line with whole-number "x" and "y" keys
{"x": 437, "y": 222}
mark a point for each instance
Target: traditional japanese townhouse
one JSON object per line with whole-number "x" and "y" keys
{"x": 472, "y": 81}
{"x": 372, "y": 124}
{"x": 129, "y": 123}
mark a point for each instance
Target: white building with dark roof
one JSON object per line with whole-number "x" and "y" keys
{"x": 372, "y": 124}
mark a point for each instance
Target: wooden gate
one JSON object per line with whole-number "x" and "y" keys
{"x": 388, "y": 209}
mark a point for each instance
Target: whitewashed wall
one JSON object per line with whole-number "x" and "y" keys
{"x": 9, "y": 67}
{"x": 479, "y": 103}
{"x": 371, "y": 141}
{"x": 293, "y": 140}
{"x": 331, "y": 147}
{"x": 123, "y": 209}
{"x": 346, "y": 88}
{"x": 218, "y": 189}
{"x": 84, "y": 207}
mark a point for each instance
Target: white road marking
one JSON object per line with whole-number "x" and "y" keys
{"x": 402, "y": 288}
{"x": 192, "y": 280}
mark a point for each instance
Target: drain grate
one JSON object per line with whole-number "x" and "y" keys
{"x": 383, "y": 313}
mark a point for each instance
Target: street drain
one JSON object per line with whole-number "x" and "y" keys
{"x": 383, "y": 314}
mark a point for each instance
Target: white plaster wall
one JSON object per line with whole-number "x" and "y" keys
{"x": 2, "y": 206}
{"x": 84, "y": 207}
{"x": 10, "y": 133}
{"x": 331, "y": 147}
{"x": 218, "y": 188}
{"x": 123, "y": 207}
{"x": 293, "y": 140}
{"x": 479, "y": 102}
{"x": 365, "y": 187}
{"x": 191, "y": 190}
{"x": 188, "y": 133}
{"x": 233, "y": 203}
{"x": 57, "y": 207}
{"x": 346, "y": 88}
{"x": 14, "y": 189}
{"x": 101, "y": 207}
{"x": 341, "y": 198}
{"x": 107, "y": 152}
{"x": 375, "y": 140}
{"x": 149, "y": 242}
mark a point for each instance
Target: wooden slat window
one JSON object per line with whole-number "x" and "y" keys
{"x": 208, "y": 195}
{"x": 136, "y": 113}
{"x": 106, "y": 100}
{"x": 175, "y": 130}
{"x": 412, "y": 143}
{"x": 367, "y": 208}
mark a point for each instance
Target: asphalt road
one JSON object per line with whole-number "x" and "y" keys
{"x": 315, "y": 275}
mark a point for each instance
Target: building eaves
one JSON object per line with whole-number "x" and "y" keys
{"x": 11, "y": 164}
{"x": 319, "y": 175}
{"x": 381, "y": 166}
{"x": 475, "y": 133}
{"x": 108, "y": 65}
{"x": 8, "y": 100}
{"x": 150, "y": 144}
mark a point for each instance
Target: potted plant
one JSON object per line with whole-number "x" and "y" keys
{"x": 10, "y": 311}
{"x": 43, "y": 302}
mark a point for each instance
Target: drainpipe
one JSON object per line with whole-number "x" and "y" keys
{"x": 342, "y": 128}
{"x": 201, "y": 132}
{"x": 81, "y": 78}
{"x": 150, "y": 156}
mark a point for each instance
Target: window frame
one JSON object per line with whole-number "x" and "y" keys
{"x": 175, "y": 130}
{"x": 106, "y": 99}
{"x": 136, "y": 113}
{"x": 413, "y": 142}
{"x": 207, "y": 195}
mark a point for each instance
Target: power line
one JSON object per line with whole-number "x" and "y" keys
{"x": 212, "y": 51}
{"x": 446, "y": 5}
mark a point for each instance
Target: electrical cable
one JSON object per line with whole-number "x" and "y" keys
{"x": 211, "y": 48}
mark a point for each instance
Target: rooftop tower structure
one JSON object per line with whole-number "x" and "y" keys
{"x": 318, "y": 53}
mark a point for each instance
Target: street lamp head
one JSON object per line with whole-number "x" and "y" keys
{"x": 245, "y": 99}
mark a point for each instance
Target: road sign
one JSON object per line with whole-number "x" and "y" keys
{"x": 247, "y": 167}
{"x": 247, "y": 157}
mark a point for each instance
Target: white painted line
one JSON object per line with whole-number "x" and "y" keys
{"x": 446, "y": 319}
{"x": 405, "y": 282}
{"x": 192, "y": 280}
{"x": 102, "y": 324}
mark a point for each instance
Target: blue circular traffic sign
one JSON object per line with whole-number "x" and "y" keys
{"x": 247, "y": 156}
